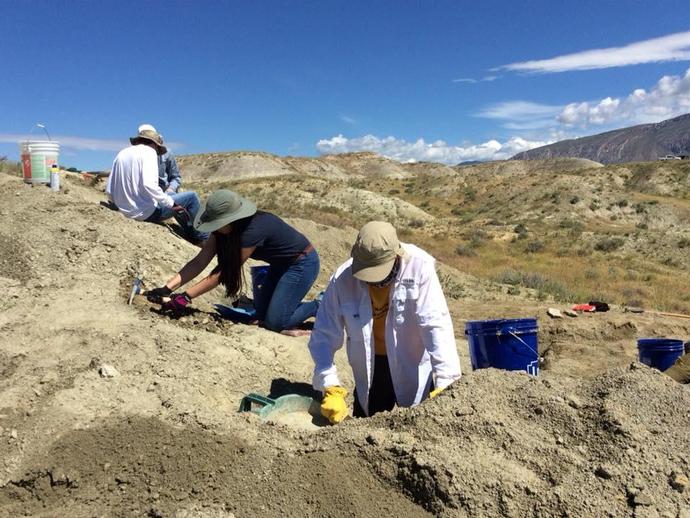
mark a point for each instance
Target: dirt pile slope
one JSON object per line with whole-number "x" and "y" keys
{"x": 162, "y": 437}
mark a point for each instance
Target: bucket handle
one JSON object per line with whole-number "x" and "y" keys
{"x": 512, "y": 333}
{"x": 43, "y": 127}
{"x": 246, "y": 403}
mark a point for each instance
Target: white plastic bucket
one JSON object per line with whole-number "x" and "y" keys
{"x": 37, "y": 158}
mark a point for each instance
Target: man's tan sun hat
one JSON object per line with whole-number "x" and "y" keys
{"x": 222, "y": 207}
{"x": 374, "y": 252}
{"x": 152, "y": 136}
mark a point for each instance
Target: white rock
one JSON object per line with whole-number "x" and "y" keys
{"x": 554, "y": 313}
{"x": 108, "y": 371}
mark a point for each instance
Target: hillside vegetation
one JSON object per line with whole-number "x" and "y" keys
{"x": 570, "y": 229}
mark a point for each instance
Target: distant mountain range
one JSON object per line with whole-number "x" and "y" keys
{"x": 634, "y": 144}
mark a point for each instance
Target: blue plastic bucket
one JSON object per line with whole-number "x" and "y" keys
{"x": 259, "y": 274}
{"x": 659, "y": 353}
{"x": 509, "y": 344}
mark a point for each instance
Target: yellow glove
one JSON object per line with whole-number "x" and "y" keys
{"x": 436, "y": 392}
{"x": 333, "y": 405}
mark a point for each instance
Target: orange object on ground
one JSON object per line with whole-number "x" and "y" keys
{"x": 584, "y": 307}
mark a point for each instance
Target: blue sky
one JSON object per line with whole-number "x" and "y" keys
{"x": 445, "y": 81}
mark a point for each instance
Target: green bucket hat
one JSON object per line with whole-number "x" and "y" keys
{"x": 222, "y": 207}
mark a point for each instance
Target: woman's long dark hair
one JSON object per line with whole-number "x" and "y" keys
{"x": 229, "y": 252}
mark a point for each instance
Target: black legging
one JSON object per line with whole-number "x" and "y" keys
{"x": 381, "y": 394}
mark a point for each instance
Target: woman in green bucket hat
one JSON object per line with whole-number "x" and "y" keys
{"x": 239, "y": 231}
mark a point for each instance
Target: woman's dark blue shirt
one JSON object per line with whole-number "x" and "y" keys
{"x": 275, "y": 241}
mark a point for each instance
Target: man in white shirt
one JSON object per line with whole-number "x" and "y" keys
{"x": 133, "y": 187}
{"x": 169, "y": 177}
{"x": 400, "y": 342}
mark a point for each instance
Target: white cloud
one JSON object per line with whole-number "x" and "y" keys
{"x": 522, "y": 115}
{"x": 438, "y": 151}
{"x": 539, "y": 124}
{"x": 347, "y": 119}
{"x": 519, "y": 110}
{"x": 674, "y": 47}
{"x": 471, "y": 80}
{"x": 81, "y": 143}
{"x": 670, "y": 97}
{"x": 78, "y": 143}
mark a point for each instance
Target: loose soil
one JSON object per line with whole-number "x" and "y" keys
{"x": 595, "y": 433}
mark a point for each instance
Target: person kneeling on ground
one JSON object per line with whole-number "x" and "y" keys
{"x": 238, "y": 232}
{"x": 680, "y": 371}
{"x": 133, "y": 187}
{"x": 389, "y": 301}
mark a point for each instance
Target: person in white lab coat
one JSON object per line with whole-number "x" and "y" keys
{"x": 400, "y": 344}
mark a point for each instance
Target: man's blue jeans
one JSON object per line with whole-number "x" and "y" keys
{"x": 280, "y": 304}
{"x": 190, "y": 201}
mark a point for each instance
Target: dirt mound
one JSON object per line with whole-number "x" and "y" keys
{"x": 136, "y": 466}
{"x": 506, "y": 444}
{"x": 226, "y": 166}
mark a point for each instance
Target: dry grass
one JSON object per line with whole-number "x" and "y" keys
{"x": 535, "y": 231}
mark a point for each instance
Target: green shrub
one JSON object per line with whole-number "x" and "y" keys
{"x": 538, "y": 282}
{"x": 520, "y": 228}
{"x": 609, "y": 244}
{"x": 465, "y": 250}
{"x": 534, "y": 246}
{"x": 451, "y": 288}
{"x": 10, "y": 167}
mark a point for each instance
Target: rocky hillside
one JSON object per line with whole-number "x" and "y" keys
{"x": 572, "y": 229}
{"x": 252, "y": 164}
{"x": 635, "y": 144}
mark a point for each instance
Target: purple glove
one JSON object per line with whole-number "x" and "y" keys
{"x": 179, "y": 209}
{"x": 177, "y": 304}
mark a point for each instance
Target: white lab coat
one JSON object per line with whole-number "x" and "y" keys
{"x": 419, "y": 332}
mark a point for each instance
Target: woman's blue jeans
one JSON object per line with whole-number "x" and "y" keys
{"x": 279, "y": 303}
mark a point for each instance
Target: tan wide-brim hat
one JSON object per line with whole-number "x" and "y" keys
{"x": 222, "y": 207}
{"x": 375, "y": 250}
{"x": 151, "y": 136}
